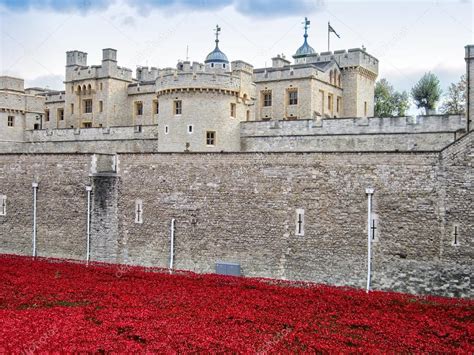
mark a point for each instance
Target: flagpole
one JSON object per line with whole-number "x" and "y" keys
{"x": 329, "y": 36}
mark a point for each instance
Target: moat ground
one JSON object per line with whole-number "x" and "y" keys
{"x": 50, "y": 305}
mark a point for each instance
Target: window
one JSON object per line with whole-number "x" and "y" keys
{"x": 233, "y": 109}
{"x": 339, "y": 80}
{"x": 456, "y": 235}
{"x": 322, "y": 101}
{"x": 338, "y": 104}
{"x": 211, "y": 138}
{"x": 60, "y": 114}
{"x": 330, "y": 102}
{"x": 101, "y": 106}
{"x": 156, "y": 107}
{"x": 293, "y": 97}
{"x": 248, "y": 115}
{"x": 11, "y": 121}
{"x": 138, "y": 211}
{"x": 72, "y": 89}
{"x": 86, "y": 124}
{"x": 88, "y": 106}
{"x": 167, "y": 130}
{"x": 46, "y": 115}
{"x": 267, "y": 99}
{"x": 373, "y": 228}
{"x": 3, "y": 205}
{"x": 100, "y": 86}
{"x": 139, "y": 108}
{"x": 300, "y": 222}
{"x": 365, "y": 108}
{"x": 190, "y": 128}
{"x": 72, "y": 109}
{"x": 178, "y": 107}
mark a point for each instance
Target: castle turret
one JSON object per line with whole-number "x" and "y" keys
{"x": 76, "y": 58}
{"x": 109, "y": 60}
{"x": 305, "y": 50}
{"x": 470, "y": 86}
{"x": 217, "y": 59}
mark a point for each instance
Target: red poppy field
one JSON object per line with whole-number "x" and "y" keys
{"x": 48, "y": 305}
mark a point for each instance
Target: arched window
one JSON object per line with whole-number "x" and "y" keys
{"x": 84, "y": 88}
{"x": 330, "y": 76}
{"x": 89, "y": 89}
{"x": 339, "y": 80}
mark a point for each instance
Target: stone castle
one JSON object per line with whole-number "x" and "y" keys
{"x": 264, "y": 170}
{"x": 198, "y": 107}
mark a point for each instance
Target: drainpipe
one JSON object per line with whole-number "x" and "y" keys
{"x": 88, "y": 251}
{"x": 369, "y": 191}
{"x": 172, "y": 245}
{"x": 35, "y": 189}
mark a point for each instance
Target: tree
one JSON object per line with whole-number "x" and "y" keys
{"x": 401, "y": 102}
{"x": 389, "y": 102}
{"x": 455, "y": 100}
{"x": 427, "y": 92}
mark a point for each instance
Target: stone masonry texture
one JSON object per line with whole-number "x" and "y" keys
{"x": 241, "y": 207}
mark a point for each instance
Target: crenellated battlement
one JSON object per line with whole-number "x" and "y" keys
{"x": 77, "y": 68}
{"x": 197, "y": 80}
{"x": 147, "y": 87}
{"x": 146, "y": 73}
{"x": 287, "y": 72}
{"x": 97, "y": 72}
{"x": 354, "y": 57}
{"x": 54, "y": 96}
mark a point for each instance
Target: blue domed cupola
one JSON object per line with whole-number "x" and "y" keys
{"x": 305, "y": 49}
{"x": 217, "y": 58}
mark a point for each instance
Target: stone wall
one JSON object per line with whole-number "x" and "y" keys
{"x": 242, "y": 207}
{"x": 422, "y": 133}
{"x": 62, "y": 204}
{"x": 470, "y": 84}
{"x": 135, "y": 139}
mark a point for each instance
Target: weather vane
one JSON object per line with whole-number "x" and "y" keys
{"x": 217, "y": 30}
{"x": 306, "y": 26}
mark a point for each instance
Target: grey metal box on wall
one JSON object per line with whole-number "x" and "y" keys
{"x": 226, "y": 268}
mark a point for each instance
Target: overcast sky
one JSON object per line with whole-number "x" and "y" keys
{"x": 408, "y": 37}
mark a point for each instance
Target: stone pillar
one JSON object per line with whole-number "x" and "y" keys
{"x": 470, "y": 87}
{"x": 104, "y": 210}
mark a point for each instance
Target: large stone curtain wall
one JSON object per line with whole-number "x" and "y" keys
{"x": 241, "y": 207}
{"x": 374, "y": 134}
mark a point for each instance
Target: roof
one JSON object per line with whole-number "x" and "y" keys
{"x": 216, "y": 56}
{"x": 304, "y": 50}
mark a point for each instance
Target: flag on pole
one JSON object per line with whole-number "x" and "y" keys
{"x": 330, "y": 29}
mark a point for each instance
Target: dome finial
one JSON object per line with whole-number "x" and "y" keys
{"x": 306, "y": 26}
{"x": 305, "y": 49}
{"x": 217, "y": 56}
{"x": 217, "y": 30}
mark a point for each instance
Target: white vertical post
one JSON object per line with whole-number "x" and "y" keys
{"x": 88, "y": 248}
{"x": 35, "y": 188}
{"x": 172, "y": 245}
{"x": 369, "y": 192}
